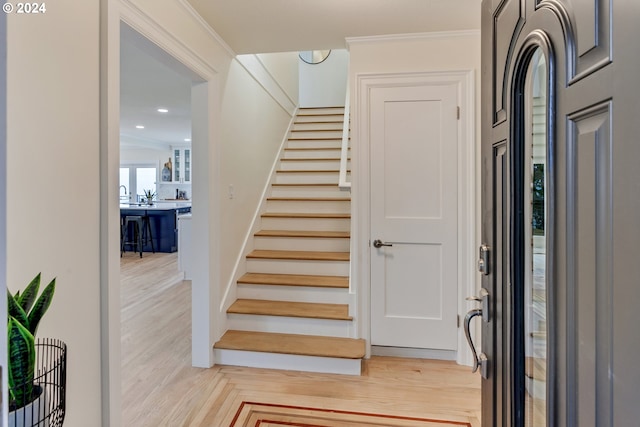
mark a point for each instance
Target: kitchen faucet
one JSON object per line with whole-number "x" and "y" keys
{"x": 125, "y": 192}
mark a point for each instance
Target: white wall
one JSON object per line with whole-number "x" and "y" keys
{"x": 251, "y": 139}
{"x": 324, "y": 84}
{"x": 284, "y": 69}
{"x": 53, "y": 190}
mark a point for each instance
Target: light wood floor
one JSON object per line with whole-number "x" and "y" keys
{"x": 160, "y": 388}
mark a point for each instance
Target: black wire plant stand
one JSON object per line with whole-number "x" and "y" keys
{"x": 47, "y": 409}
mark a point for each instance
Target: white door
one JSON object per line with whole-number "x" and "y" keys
{"x": 414, "y": 190}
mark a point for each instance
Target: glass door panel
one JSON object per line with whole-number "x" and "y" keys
{"x": 535, "y": 251}
{"x": 145, "y": 181}
{"x": 134, "y": 179}
{"x": 177, "y": 160}
{"x": 187, "y": 165}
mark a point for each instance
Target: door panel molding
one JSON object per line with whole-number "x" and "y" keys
{"x": 590, "y": 278}
{"x": 587, "y": 34}
{"x": 360, "y": 271}
{"x": 509, "y": 13}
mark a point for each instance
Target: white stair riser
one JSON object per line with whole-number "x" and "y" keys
{"x": 312, "y": 154}
{"x": 337, "y": 110}
{"x": 309, "y": 191}
{"x": 320, "y": 119}
{"x": 314, "y": 143}
{"x": 312, "y": 224}
{"x": 306, "y": 178}
{"x": 302, "y": 244}
{"x": 294, "y": 293}
{"x": 308, "y": 164}
{"x": 289, "y": 325}
{"x": 316, "y": 133}
{"x": 289, "y": 362}
{"x": 309, "y": 206}
{"x": 278, "y": 266}
{"x": 312, "y": 126}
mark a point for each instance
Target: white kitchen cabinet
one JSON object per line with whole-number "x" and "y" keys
{"x": 181, "y": 165}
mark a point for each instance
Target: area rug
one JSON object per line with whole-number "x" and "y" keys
{"x": 252, "y": 414}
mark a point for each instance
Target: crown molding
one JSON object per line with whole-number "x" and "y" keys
{"x": 411, "y": 37}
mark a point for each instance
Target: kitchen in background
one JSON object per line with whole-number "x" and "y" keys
{"x": 155, "y": 147}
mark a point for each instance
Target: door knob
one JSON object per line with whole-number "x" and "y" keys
{"x": 379, "y": 243}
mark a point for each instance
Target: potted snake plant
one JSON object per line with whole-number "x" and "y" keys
{"x": 25, "y": 310}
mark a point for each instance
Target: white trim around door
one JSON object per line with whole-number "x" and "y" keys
{"x": 467, "y": 203}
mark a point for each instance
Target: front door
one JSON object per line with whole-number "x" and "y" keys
{"x": 560, "y": 203}
{"x": 414, "y": 215}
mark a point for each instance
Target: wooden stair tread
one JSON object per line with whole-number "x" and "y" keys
{"x": 313, "y": 148}
{"x": 304, "y": 345}
{"x": 317, "y": 130}
{"x": 312, "y": 159}
{"x": 317, "y": 139}
{"x": 310, "y": 171}
{"x": 304, "y": 233}
{"x": 299, "y": 255}
{"x": 318, "y": 114}
{"x": 309, "y": 199}
{"x": 304, "y": 184}
{"x": 306, "y": 215}
{"x": 300, "y": 184}
{"x": 295, "y": 280}
{"x": 319, "y": 122}
{"x": 308, "y": 310}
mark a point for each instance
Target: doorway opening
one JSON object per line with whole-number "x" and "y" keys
{"x": 203, "y": 98}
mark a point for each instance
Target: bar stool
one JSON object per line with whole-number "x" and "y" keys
{"x": 138, "y": 236}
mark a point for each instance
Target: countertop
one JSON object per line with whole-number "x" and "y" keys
{"x": 163, "y": 206}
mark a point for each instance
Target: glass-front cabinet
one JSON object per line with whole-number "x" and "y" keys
{"x": 182, "y": 165}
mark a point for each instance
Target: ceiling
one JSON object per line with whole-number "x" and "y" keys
{"x": 151, "y": 79}
{"x": 260, "y": 26}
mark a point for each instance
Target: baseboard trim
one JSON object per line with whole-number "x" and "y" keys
{"x": 416, "y": 353}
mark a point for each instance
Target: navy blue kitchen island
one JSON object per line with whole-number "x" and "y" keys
{"x": 163, "y": 218}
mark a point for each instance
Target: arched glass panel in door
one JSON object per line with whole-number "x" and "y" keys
{"x": 535, "y": 280}
{"x": 534, "y": 241}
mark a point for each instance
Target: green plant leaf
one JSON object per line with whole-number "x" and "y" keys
{"x": 14, "y": 310}
{"x": 29, "y": 294}
{"x": 22, "y": 359}
{"x": 41, "y": 306}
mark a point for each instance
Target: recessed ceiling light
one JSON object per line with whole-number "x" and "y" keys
{"x": 187, "y": 140}
{"x": 162, "y": 110}
{"x": 139, "y": 127}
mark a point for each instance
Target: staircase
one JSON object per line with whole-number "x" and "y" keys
{"x": 292, "y": 310}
